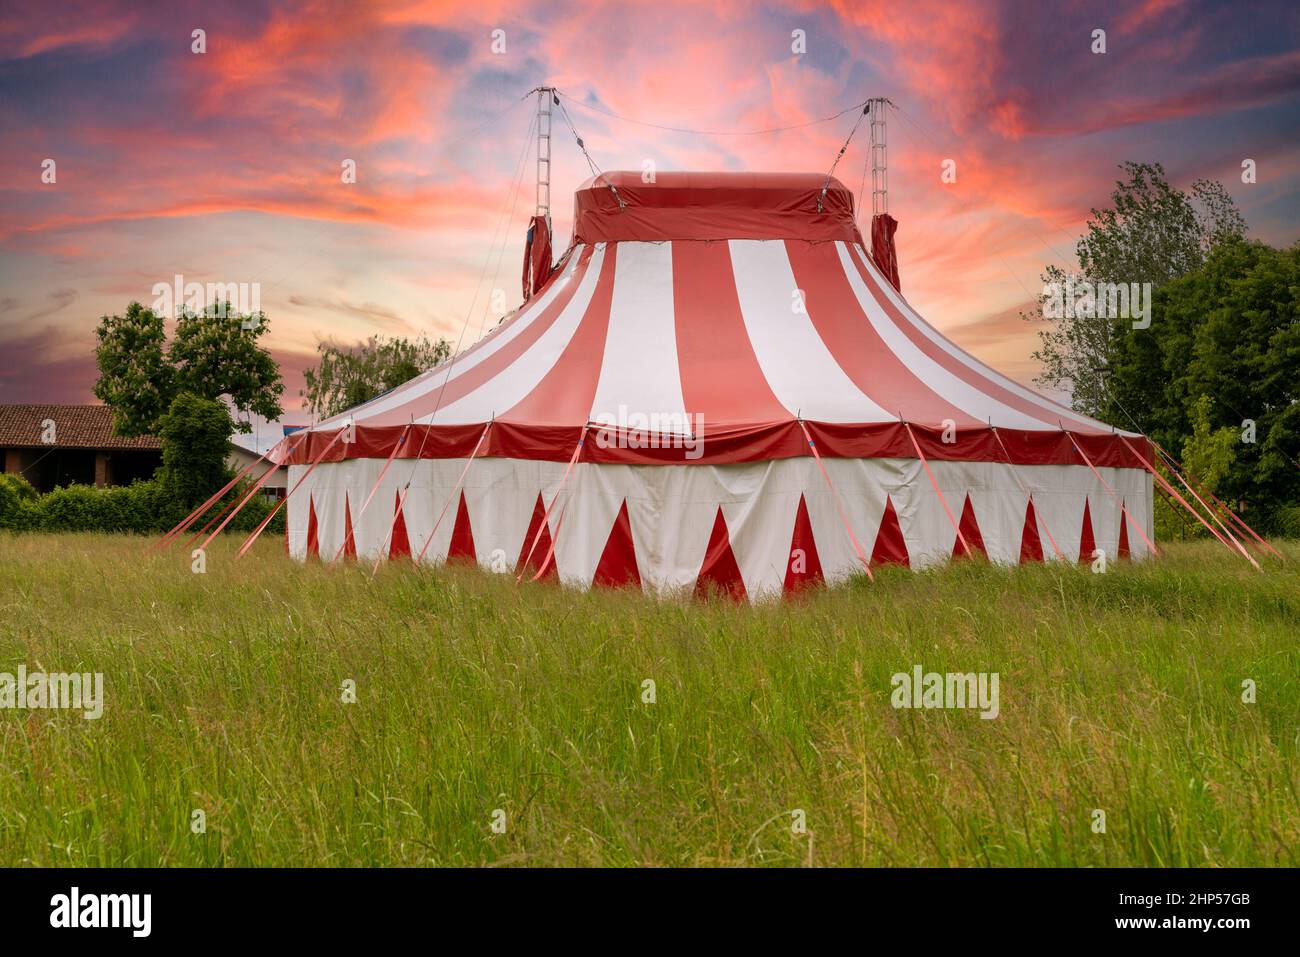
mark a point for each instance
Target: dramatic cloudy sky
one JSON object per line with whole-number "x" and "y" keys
{"x": 225, "y": 166}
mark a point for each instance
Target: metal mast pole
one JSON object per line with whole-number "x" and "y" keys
{"x": 545, "y": 99}
{"x": 879, "y": 157}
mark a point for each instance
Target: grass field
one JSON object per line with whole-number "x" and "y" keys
{"x": 1120, "y": 692}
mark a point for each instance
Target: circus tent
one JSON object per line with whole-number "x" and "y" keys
{"x": 717, "y": 388}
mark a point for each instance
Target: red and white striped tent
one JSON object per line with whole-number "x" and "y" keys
{"x": 715, "y": 388}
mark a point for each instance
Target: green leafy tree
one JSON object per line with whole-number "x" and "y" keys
{"x": 135, "y": 379}
{"x": 1153, "y": 233}
{"x": 348, "y": 376}
{"x": 1209, "y": 452}
{"x": 212, "y": 353}
{"x": 1221, "y": 357}
{"x": 195, "y": 435}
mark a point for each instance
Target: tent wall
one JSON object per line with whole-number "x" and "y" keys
{"x": 673, "y": 509}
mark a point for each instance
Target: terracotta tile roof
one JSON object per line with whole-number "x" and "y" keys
{"x": 75, "y": 427}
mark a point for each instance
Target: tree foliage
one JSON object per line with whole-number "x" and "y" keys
{"x": 347, "y": 376}
{"x": 1222, "y": 356}
{"x": 135, "y": 379}
{"x": 195, "y": 437}
{"x": 212, "y": 353}
{"x": 1152, "y": 233}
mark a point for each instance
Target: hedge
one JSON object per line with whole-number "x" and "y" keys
{"x": 144, "y": 507}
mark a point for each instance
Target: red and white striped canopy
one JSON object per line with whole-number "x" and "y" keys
{"x": 726, "y": 307}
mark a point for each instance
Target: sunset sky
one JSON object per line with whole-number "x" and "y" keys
{"x": 224, "y": 166}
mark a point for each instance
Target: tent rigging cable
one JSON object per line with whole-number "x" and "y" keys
{"x": 682, "y": 129}
{"x": 460, "y": 339}
{"x": 839, "y": 504}
{"x": 1029, "y": 495}
{"x": 1174, "y": 466}
{"x": 821, "y": 199}
{"x": 595, "y": 170}
{"x": 1114, "y": 496}
{"x": 514, "y": 205}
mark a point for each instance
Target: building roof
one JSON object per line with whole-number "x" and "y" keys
{"x": 75, "y": 427}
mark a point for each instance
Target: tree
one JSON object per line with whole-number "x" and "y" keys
{"x": 213, "y": 353}
{"x": 1221, "y": 357}
{"x": 1153, "y": 234}
{"x": 195, "y": 435}
{"x": 1210, "y": 451}
{"x": 135, "y": 380}
{"x": 348, "y": 376}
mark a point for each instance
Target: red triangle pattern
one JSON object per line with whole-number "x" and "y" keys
{"x": 400, "y": 545}
{"x": 1087, "y": 544}
{"x": 543, "y": 547}
{"x": 970, "y": 530}
{"x": 1122, "y": 550}
{"x": 313, "y": 531}
{"x": 617, "y": 565}
{"x": 804, "y": 567}
{"x": 890, "y": 547}
{"x": 349, "y": 537}
{"x": 1031, "y": 546}
{"x": 720, "y": 573}
{"x": 461, "y": 548}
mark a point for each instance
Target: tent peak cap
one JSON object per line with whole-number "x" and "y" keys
{"x": 632, "y": 205}
{"x": 711, "y": 180}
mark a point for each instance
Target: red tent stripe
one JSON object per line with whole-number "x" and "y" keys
{"x": 1031, "y": 546}
{"x": 617, "y": 566}
{"x": 1087, "y": 542}
{"x": 995, "y": 390}
{"x": 565, "y": 393}
{"x": 349, "y": 540}
{"x": 861, "y": 353}
{"x": 313, "y": 528}
{"x": 400, "y": 544}
{"x": 539, "y": 534}
{"x": 934, "y": 483}
{"x": 719, "y": 371}
{"x": 803, "y": 566}
{"x": 890, "y": 547}
{"x": 462, "y": 536}
{"x": 720, "y": 573}
{"x": 460, "y": 484}
{"x": 970, "y": 532}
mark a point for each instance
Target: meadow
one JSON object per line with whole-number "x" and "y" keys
{"x": 479, "y": 702}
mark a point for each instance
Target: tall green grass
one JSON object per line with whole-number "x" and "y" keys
{"x": 1120, "y": 692}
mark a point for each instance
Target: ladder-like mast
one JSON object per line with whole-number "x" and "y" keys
{"x": 879, "y": 156}
{"x": 545, "y": 100}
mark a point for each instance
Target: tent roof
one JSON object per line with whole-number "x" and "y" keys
{"x": 722, "y": 306}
